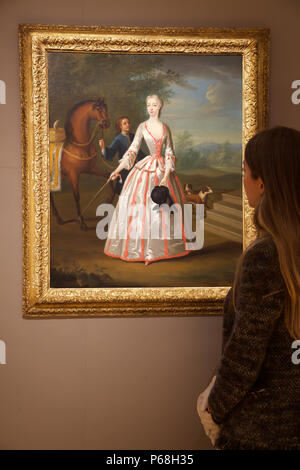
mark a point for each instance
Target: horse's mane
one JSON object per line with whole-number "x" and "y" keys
{"x": 68, "y": 126}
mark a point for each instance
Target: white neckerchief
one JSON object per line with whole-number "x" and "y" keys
{"x": 126, "y": 134}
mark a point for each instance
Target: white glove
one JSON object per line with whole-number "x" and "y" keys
{"x": 202, "y": 402}
{"x": 211, "y": 429}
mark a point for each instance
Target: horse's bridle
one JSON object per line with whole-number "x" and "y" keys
{"x": 77, "y": 144}
{"x": 91, "y": 139}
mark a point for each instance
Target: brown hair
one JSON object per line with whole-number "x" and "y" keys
{"x": 118, "y": 123}
{"x": 274, "y": 156}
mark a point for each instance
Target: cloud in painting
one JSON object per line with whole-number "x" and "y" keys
{"x": 224, "y": 98}
{"x": 209, "y": 67}
{"x": 209, "y": 102}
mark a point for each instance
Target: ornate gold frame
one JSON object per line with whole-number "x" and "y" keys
{"x": 41, "y": 301}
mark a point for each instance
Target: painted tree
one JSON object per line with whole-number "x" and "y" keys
{"x": 188, "y": 157}
{"x": 123, "y": 79}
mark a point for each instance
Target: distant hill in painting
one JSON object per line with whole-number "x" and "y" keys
{"x": 207, "y": 154}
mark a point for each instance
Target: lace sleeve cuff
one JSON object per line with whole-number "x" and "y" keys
{"x": 170, "y": 161}
{"x": 129, "y": 159}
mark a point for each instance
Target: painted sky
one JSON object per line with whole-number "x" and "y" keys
{"x": 209, "y": 104}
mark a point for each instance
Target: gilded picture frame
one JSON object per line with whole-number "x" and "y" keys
{"x": 35, "y": 42}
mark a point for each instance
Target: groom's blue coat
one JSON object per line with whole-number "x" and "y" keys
{"x": 120, "y": 144}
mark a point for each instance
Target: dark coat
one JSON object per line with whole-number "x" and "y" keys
{"x": 256, "y": 395}
{"x": 120, "y": 144}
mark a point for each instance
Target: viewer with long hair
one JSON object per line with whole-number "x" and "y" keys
{"x": 253, "y": 401}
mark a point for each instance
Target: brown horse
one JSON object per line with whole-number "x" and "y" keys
{"x": 79, "y": 153}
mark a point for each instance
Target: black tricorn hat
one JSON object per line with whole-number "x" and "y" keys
{"x": 160, "y": 194}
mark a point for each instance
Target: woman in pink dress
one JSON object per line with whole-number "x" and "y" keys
{"x": 133, "y": 231}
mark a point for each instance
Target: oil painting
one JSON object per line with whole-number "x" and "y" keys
{"x": 202, "y": 107}
{"x": 132, "y": 160}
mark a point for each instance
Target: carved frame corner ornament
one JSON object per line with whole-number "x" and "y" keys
{"x": 41, "y": 301}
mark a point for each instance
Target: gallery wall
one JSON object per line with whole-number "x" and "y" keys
{"x": 113, "y": 383}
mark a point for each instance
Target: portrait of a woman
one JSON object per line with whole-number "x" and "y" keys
{"x": 156, "y": 169}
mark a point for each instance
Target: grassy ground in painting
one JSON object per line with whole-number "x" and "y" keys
{"x": 77, "y": 258}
